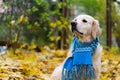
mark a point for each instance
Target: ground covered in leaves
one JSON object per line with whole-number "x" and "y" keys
{"x": 31, "y": 65}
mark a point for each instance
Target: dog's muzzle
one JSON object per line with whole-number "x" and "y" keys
{"x": 74, "y": 28}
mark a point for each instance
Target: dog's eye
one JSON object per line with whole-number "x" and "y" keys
{"x": 85, "y": 21}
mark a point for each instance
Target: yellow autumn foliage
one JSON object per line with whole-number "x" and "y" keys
{"x": 12, "y": 23}
{"x": 20, "y": 18}
{"x": 39, "y": 65}
{"x": 53, "y": 25}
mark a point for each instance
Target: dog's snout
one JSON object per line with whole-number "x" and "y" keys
{"x": 73, "y": 26}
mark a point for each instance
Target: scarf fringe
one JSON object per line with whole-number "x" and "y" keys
{"x": 79, "y": 72}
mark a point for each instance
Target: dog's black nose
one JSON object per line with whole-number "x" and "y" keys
{"x": 73, "y": 23}
{"x": 73, "y": 26}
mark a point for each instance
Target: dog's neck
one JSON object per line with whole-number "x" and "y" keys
{"x": 84, "y": 39}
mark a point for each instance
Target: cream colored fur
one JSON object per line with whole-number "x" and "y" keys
{"x": 90, "y": 30}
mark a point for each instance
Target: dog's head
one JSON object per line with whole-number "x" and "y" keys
{"x": 85, "y": 27}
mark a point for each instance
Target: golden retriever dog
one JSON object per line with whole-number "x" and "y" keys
{"x": 86, "y": 28}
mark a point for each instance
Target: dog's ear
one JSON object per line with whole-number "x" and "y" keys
{"x": 96, "y": 30}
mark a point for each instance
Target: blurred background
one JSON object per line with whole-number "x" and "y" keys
{"x": 40, "y": 29}
{"x": 47, "y": 22}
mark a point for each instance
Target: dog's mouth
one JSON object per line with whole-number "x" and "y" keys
{"x": 77, "y": 33}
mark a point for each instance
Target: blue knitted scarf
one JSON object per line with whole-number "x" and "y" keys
{"x": 80, "y": 66}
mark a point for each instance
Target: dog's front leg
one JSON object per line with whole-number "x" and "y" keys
{"x": 97, "y": 62}
{"x": 57, "y": 73}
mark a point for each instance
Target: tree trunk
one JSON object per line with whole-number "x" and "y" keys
{"x": 108, "y": 23}
{"x": 62, "y": 44}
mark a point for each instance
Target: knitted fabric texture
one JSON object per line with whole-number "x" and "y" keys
{"x": 80, "y": 66}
